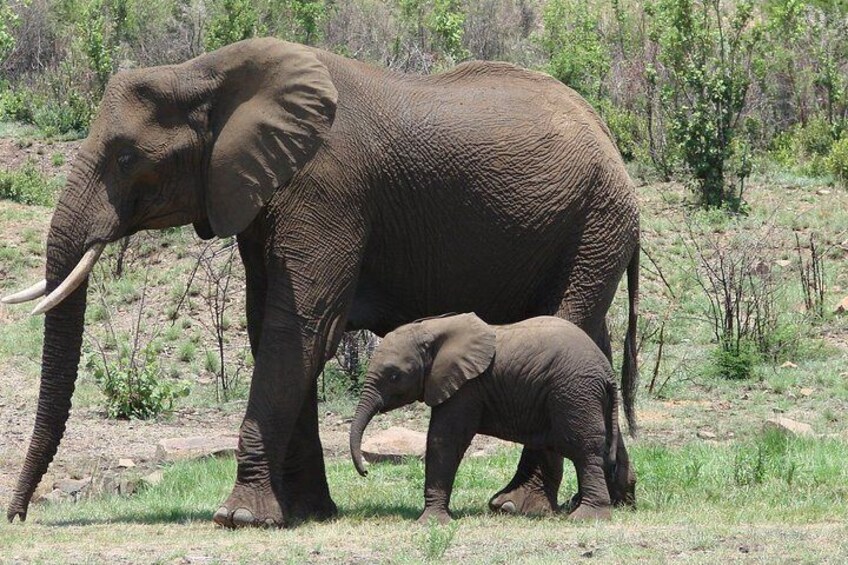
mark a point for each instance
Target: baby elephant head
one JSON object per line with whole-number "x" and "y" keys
{"x": 426, "y": 360}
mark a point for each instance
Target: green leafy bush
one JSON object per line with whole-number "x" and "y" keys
{"x": 135, "y": 384}
{"x": 734, "y": 360}
{"x": 706, "y": 52}
{"x": 28, "y": 186}
{"x": 837, "y": 161}
{"x": 578, "y": 55}
{"x": 233, "y": 21}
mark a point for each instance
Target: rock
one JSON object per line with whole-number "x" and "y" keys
{"x": 806, "y": 391}
{"x": 822, "y": 192}
{"x": 783, "y": 262}
{"x": 394, "y": 445}
{"x": 126, "y": 463}
{"x": 842, "y": 307}
{"x": 177, "y": 449}
{"x": 789, "y": 365}
{"x": 789, "y": 427}
{"x": 706, "y": 434}
{"x": 72, "y": 487}
{"x": 127, "y": 487}
{"x": 56, "y": 495}
{"x": 152, "y": 479}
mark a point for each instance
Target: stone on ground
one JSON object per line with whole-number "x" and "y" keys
{"x": 789, "y": 427}
{"x": 177, "y": 449}
{"x": 394, "y": 445}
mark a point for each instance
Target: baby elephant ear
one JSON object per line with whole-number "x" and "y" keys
{"x": 463, "y": 347}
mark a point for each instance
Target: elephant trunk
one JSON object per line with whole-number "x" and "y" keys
{"x": 369, "y": 405}
{"x": 63, "y": 330}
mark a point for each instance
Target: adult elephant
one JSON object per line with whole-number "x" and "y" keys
{"x": 361, "y": 199}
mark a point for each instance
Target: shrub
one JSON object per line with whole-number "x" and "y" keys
{"x": 135, "y": 384}
{"x": 837, "y": 161}
{"x": 734, "y": 360}
{"x": 28, "y": 186}
{"x": 234, "y": 20}
{"x": 578, "y": 56}
{"x": 706, "y": 54}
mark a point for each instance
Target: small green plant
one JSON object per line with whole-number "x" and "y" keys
{"x": 734, "y": 360}
{"x": 437, "y": 539}
{"x": 135, "y": 384}
{"x": 28, "y": 185}
{"x": 57, "y": 159}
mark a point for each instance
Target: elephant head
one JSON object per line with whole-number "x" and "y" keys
{"x": 204, "y": 142}
{"x": 427, "y": 360}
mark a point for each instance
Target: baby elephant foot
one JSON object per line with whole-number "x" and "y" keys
{"x": 434, "y": 514}
{"x": 250, "y": 506}
{"x": 584, "y": 513}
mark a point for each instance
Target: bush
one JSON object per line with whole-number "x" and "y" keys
{"x": 706, "y": 54}
{"x": 734, "y": 360}
{"x": 28, "y": 186}
{"x": 837, "y": 161}
{"x": 578, "y": 56}
{"x": 134, "y": 384}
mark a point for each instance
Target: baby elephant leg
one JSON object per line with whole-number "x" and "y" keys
{"x": 594, "y": 498}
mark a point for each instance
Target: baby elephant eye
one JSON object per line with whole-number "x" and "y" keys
{"x": 394, "y": 378}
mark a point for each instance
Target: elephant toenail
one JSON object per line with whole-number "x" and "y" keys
{"x": 269, "y": 523}
{"x": 222, "y": 516}
{"x": 508, "y": 506}
{"x": 243, "y": 517}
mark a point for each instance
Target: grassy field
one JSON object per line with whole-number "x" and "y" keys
{"x": 713, "y": 485}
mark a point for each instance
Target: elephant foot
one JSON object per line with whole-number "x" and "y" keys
{"x": 584, "y": 513}
{"x": 250, "y": 506}
{"x": 318, "y": 507}
{"x": 437, "y": 515}
{"x": 524, "y": 499}
{"x": 572, "y": 504}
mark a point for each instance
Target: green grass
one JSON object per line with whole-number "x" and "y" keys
{"x": 690, "y": 496}
{"x": 769, "y": 478}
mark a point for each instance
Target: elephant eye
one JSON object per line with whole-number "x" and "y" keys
{"x": 395, "y": 377}
{"x": 125, "y": 161}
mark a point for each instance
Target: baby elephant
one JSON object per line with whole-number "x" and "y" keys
{"x": 541, "y": 382}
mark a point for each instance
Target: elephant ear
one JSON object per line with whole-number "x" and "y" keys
{"x": 463, "y": 348}
{"x": 270, "y": 115}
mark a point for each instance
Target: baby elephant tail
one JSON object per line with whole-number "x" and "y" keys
{"x": 621, "y": 480}
{"x": 613, "y": 431}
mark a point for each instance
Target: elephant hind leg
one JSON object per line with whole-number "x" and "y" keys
{"x": 534, "y": 488}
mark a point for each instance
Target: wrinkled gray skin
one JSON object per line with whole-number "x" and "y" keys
{"x": 360, "y": 198}
{"x": 541, "y": 382}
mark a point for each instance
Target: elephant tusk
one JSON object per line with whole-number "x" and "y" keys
{"x": 73, "y": 280}
{"x": 35, "y": 291}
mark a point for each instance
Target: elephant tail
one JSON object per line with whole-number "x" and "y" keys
{"x": 629, "y": 370}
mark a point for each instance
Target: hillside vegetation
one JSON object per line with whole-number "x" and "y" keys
{"x": 733, "y": 119}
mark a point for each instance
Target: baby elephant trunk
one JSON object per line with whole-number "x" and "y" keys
{"x": 369, "y": 405}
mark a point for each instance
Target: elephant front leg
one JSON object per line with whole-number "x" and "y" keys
{"x": 452, "y": 427}
{"x": 306, "y": 494}
{"x": 534, "y": 488}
